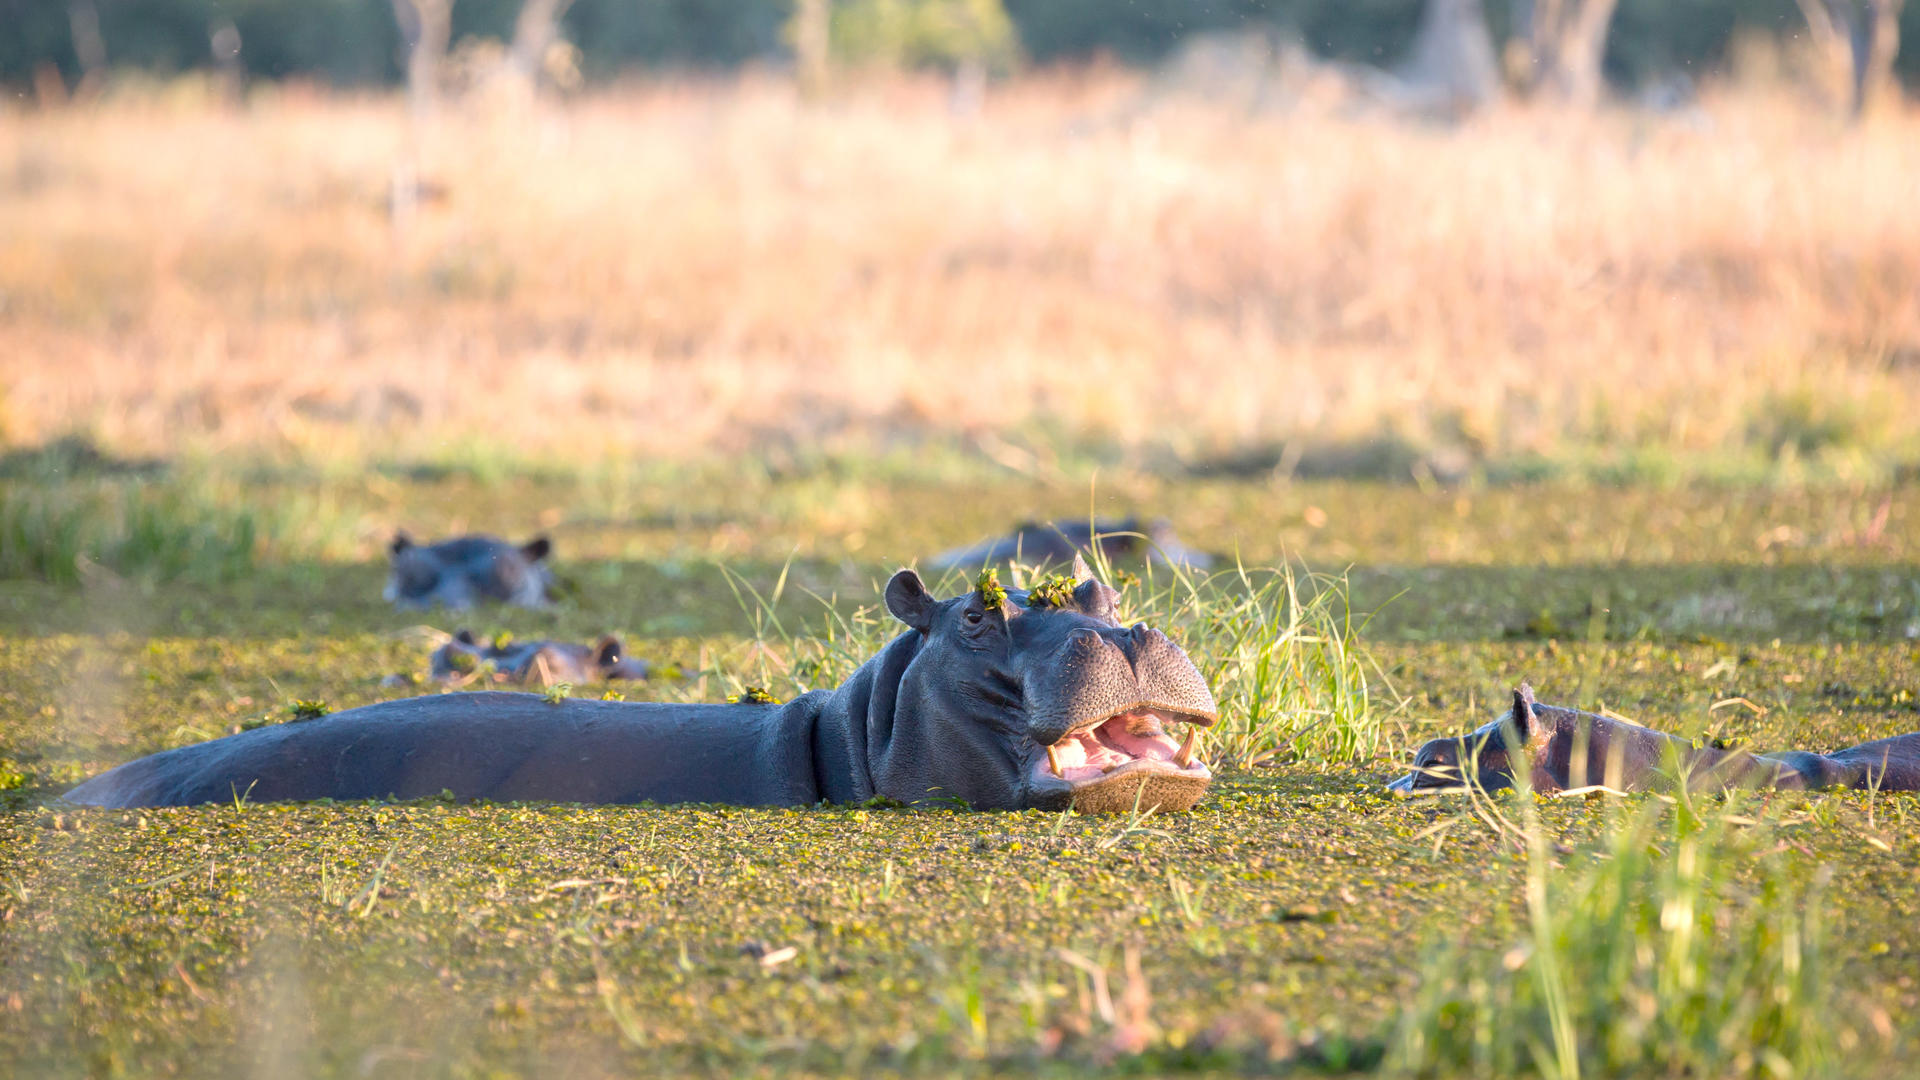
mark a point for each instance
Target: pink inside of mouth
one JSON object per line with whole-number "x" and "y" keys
{"x": 1121, "y": 740}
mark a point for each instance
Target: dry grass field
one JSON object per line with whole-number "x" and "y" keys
{"x": 684, "y": 268}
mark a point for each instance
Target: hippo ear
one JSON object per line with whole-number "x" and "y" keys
{"x": 401, "y": 542}
{"x": 537, "y": 548}
{"x": 908, "y": 600}
{"x": 607, "y": 652}
{"x": 465, "y": 637}
{"x": 1081, "y": 571}
{"x": 1524, "y": 717}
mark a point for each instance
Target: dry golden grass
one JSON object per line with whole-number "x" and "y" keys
{"x": 683, "y": 267}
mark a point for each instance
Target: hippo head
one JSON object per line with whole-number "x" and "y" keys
{"x": 459, "y": 572}
{"x": 1488, "y": 752}
{"x": 1041, "y": 699}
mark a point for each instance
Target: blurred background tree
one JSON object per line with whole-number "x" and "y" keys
{"x": 356, "y": 42}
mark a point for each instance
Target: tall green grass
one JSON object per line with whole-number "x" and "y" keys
{"x": 162, "y": 530}
{"x": 1679, "y": 945}
{"x": 1282, "y": 650}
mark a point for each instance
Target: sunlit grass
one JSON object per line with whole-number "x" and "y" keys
{"x": 1680, "y": 943}
{"x": 684, "y": 268}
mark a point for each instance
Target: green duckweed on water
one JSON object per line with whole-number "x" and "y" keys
{"x": 1298, "y": 921}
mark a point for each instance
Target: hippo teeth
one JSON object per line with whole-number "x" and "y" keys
{"x": 1186, "y": 748}
{"x": 1132, "y": 740}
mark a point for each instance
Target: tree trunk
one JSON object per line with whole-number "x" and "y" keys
{"x": 425, "y": 25}
{"x": 812, "y": 32}
{"x": 1452, "y": 61}
{"x": 1857, "y": 41}
{"x": 1565, "y": 45}
{"x": 1875, "y": 81}
{"x": 83, "y": 21}
{"x": 533, "y": 33}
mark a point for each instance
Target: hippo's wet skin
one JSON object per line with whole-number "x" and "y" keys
{"x": 547, "y": 663}
{"x": 1568, "y": 749}
{"x": 984, "y": 699}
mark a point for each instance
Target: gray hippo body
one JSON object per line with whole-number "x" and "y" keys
{"x": 991, "y": 698}
{"x": 468, "y": 570}
{"x": 543, "y": 663}
{"x": 1568, "y": 748}
{"x": 1059, "y": 541}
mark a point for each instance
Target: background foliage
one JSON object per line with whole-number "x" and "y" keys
{"x": 354, "y": 41}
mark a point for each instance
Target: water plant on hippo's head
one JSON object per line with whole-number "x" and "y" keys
{"x": 1561, "y": 749}
{"x": 985, "y": 698}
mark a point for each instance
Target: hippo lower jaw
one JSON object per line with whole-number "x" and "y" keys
{"x": 1127, "y": 760}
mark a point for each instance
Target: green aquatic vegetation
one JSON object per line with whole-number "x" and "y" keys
{"x": 306, "y": 710}
{"x": 1055, "y": 590}
{"x": 992, "y": 593}
{"x": 753, "y": 695}
{"x": 1277, "y": 927}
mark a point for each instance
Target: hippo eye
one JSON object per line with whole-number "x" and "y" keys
{"x": 974, "y": 617}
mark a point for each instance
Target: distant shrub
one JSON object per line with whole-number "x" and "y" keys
{"x": 161, "y": 531}
{"x": 924, "y": 33}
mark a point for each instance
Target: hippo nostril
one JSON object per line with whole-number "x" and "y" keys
{"x": 1083, "y": 638}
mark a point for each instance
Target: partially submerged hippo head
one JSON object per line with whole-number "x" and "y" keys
{"x": 1566, "y": 749}
{"x": 467, "y": 570}
{"x": 1482, "y": 758}
{"x": 1052, "y": 700}
{"x": 545, "y": 663}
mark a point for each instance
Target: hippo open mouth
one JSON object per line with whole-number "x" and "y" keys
{"x": 1129, "y": 759}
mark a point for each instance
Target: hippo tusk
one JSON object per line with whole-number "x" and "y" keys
{"x": 1186, "y": 749}
{"x": 1053, "y": 762}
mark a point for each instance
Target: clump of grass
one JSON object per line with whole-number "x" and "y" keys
{"x": 1281, "y": 649}
{"x": 163, "y": 531}
{"x": 1648, "y": 954}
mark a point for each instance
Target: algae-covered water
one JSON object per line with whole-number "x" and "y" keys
{"x": 1285, "y": 924}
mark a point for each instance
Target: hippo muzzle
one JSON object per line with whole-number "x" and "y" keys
{"x": 1101, "y": 712}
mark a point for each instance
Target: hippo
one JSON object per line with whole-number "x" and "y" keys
{"x": 1058, "y": 541}
{"x": 1570, "y": 749}
{"x": 465, "y": 570}
{"x": 547, "y": 662}
{"x": 998, "y": 698}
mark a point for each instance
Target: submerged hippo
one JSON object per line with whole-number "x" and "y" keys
{"x": 1058, "y": 541}
{"x": 466, "y": 570}
{"x": 1002, "y": 698}
{"x": 547, "y": 663}
{"x": 1567, "y": 749}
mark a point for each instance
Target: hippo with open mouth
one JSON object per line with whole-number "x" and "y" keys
{"x": 1007, "y": 699}
{"x": 1569, "y": 749}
